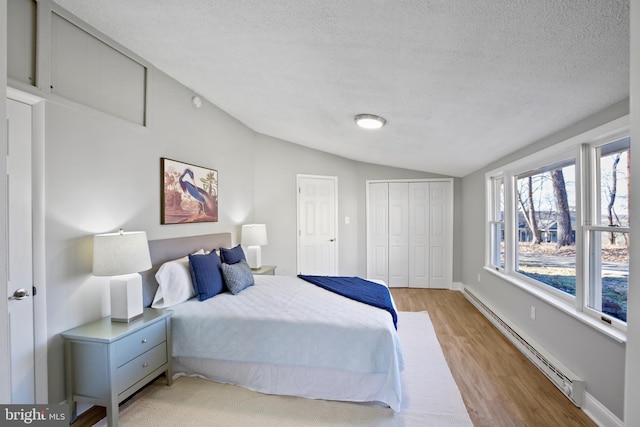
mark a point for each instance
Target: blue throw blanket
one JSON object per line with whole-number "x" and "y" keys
{"x": 357, "y": 289}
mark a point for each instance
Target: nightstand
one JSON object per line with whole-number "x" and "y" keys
{"x": 106, "y": 362}
{"x": 265, "y": 269}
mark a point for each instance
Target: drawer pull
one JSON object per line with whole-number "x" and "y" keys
{"x": 144, "y": 341}
{"x": 145, "y": 365}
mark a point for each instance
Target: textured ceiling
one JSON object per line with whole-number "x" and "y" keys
{"x": 461, "y": 83}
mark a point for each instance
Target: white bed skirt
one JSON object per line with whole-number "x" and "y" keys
{"x": 317, "y": 383}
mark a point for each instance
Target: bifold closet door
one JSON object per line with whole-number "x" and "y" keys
{"x": 409, "y": 233}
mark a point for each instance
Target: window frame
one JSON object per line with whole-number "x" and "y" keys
{"x": 582, "y": 148}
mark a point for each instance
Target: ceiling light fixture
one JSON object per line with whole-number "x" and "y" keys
{"x": 370, "y": 121}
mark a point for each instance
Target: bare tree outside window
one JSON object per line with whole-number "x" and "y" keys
{"x": 528, "y": 207}
{"x": 609, "y": 247}
{"x": 546, "y": 238}
{"x": 563, "y": 216}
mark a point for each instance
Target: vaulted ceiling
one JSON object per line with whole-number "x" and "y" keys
{"x": 461, "y": 83}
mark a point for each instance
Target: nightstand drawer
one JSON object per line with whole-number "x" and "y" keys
{"x": 139, "y": 342}
{"x": 140, "y": 367}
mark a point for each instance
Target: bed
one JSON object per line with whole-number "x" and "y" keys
{"x": 282, "y": 336}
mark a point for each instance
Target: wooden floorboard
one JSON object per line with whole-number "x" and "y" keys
{"x": 499, "y": 385}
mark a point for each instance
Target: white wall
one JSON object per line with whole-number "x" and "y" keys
{"x": 632, "y": 408}
{"x": 598, "y": 359}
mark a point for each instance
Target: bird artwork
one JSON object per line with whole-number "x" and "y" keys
{"x": 190, "y": 195}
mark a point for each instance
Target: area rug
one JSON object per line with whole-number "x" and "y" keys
{"x": 430, "y": 397}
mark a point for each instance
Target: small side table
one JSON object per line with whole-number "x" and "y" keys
{"x": 106, "y": 362}
{"x": 265, "y": 269}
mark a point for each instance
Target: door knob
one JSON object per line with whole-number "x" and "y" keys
{"x": 19, "y": 294}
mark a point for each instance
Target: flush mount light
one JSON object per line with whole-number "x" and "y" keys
{"x": 370, "y": 121}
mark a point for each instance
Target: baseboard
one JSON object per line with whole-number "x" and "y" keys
{"x": 457, "y": 286}
{"x": 599, "y": 413}
{"x": 594, "y": 409}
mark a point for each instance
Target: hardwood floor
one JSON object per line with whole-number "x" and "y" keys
{"x": 90, "y": 417}
{"x": 499, "y": 386}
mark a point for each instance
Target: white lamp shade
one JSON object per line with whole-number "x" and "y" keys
{"x": 254, "y": 235}
{"x": 120, "y": 253}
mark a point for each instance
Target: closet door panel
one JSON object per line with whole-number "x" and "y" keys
{"x": 398, "y": 234}
{"x": 440, "y": 235}
{"x": 419, "y": 234}
{"x": 437, "y": 264}
{"x": 378, "y": 234}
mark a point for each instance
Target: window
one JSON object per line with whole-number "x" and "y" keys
{"x": 558, "y": 223}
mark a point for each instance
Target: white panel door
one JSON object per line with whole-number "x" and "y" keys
{"x": 19, "y": 254}
{"x": 440, "y": 233}
{"x": 419, "y": 234}
{"x": 398, "y": 234}
{"x": 317, "y": 221}
{"x": 378, "y": 232}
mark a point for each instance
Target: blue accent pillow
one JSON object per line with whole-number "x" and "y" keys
{"x": 237, "y": 276}
{"x": 233, "y": 255}
{"x": 206, "y": 275}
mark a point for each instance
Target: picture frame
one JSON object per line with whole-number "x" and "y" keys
{"x": 189, "y": 193}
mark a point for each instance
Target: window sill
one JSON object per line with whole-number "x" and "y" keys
{"x": 611, "y": 332}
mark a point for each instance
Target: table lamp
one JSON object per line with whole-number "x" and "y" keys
{"x": 122, "y": 256}
{"x": 253, "y": 237}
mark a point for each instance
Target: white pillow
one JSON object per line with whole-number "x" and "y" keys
{"x": 174, "y": 278}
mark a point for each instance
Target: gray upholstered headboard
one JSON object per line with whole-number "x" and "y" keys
{"x": 165, "y": 250}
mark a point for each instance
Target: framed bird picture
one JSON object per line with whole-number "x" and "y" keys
{"x": 189, "y": 193}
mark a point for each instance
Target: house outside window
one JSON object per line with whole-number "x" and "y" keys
{"x": 558, "y": 225}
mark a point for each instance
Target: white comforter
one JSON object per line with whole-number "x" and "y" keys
{"x": 286, "y": 321}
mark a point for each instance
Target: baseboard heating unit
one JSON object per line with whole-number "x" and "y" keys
{"x": 568, "y": 382}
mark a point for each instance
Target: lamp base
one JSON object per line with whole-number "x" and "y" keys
{"x": 126, "y": 297}
{"x": 254, "y": 257}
